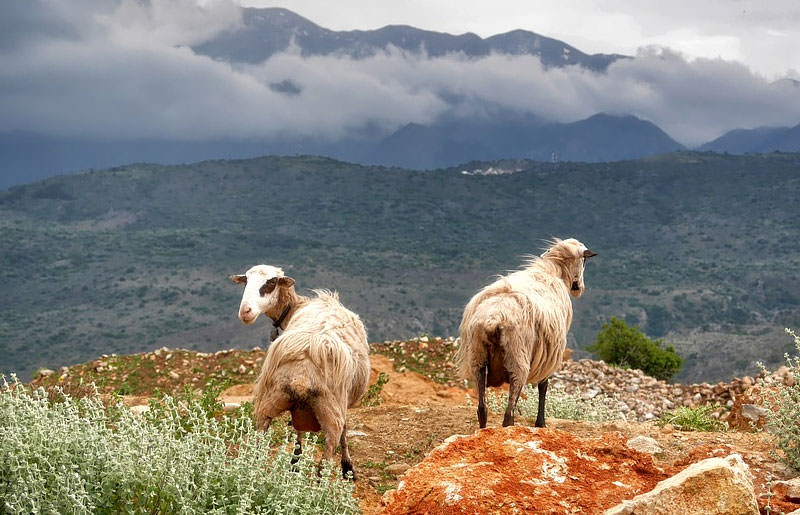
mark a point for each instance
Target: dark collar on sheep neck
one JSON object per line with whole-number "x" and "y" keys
{"x": 276, "y": 325}
{"x": 279, "y": 321}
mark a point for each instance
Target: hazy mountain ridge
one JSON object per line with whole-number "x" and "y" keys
{"x": 693, "y": 247}
{"x": 602, "y": 137}
{"x": 267, "y": 31}
{"x": 759, "y": 140}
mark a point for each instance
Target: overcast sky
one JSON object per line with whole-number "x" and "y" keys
{"x": 124, "y": 69}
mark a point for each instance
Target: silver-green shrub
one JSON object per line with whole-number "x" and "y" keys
{"x": 783, "y": 405}
{"x": 77, "y": 456}
{"x": 559, "y": 404}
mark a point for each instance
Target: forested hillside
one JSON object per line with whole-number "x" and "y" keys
{"x": 700, "y": 249}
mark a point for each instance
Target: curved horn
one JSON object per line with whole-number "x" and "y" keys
{"x": 588, "y": 253}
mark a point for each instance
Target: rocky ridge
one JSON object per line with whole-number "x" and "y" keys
{"x": 636, "y": 395}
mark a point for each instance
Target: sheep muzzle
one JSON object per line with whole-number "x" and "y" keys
{"x": 247, "y": 315}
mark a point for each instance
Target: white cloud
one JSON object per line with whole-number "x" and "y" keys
{"x": 124, "y": 70}
{"x": 169, "y": 22}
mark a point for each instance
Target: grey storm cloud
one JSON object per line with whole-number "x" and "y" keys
{"x": 125, "y": 70}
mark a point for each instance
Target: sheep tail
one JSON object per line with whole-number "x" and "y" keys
{"x": 331, "y": 355}
{"x": 480, "y": 332}
{"x": 492, "y": 328}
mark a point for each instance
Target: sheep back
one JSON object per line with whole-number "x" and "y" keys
{"x": 529, "y": 312}
{"x": 324, "y": 347}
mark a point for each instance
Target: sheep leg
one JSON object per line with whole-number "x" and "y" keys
{"x": 540, "y": 412}
{"x": 514, "y": 391}
{"x": 268, "y": 406}
{"x": 347, "y": 464}
{"x": 298, "y": 448}
{"x": 332, "y": 423}
{"x": 483, "y": 412}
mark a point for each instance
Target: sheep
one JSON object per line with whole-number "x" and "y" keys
{"x": 317, "y": 368}
{"x": 515, "y": 330}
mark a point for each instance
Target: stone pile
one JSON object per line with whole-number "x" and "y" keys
{"x": 641, "y": 397}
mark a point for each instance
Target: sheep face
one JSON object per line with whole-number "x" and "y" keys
{"x": 261, "y": 291}
{"x": 572, "y": 256}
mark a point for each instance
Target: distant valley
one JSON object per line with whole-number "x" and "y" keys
{"x": 697, "y": 248}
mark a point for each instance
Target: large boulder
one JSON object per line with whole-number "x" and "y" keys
{"x": 524, "y": 470}
{"x": 715, "y": 485}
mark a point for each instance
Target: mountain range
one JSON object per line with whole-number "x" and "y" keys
{"x": 268, "y": 31}
{"x": 490, "y": 132}
{"x": 759, "y": 140}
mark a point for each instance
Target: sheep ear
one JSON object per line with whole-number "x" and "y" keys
{"x": 238, "y": 279}
{"x": 286, "y": 282}
{"x": 588, "y": 253}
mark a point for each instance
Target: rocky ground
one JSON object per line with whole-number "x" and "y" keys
{"x": 423, "y": 404}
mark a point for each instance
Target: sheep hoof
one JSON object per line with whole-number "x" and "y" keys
{"x": 482, "y": 416}
{"x": 347, "y": 471}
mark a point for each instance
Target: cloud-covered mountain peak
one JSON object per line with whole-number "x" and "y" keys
{"x": 266, "y": 32}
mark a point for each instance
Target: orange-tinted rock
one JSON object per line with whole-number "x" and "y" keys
{"x": 524, "y": 470}
{"x": 721, "y": 486}
{"x": 747, "y": 412}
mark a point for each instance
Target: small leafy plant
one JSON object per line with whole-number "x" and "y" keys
{"x": 373, "y": 395}
{"x": 685, "y": 418}
{"x": 181, "y": 456}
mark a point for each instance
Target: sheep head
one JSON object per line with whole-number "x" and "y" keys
{"x": 570, "y": 255}
{"x": 264, "y": 292}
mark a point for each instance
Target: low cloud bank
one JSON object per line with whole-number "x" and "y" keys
{"x": 126, "y": 70}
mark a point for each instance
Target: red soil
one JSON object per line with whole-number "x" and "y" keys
{"x": 522, "y": 469}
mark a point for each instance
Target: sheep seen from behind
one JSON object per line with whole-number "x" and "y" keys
{"x": 515, "y": 330}
{"x": 317, "y": 368}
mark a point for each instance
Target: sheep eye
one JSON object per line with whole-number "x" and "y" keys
{"x": 268, "y": 286}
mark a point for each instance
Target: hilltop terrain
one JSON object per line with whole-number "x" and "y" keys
{"x": 423, "y": 404}
{"x": 696, "y": 248}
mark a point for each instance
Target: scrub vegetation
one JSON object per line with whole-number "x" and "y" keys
{"x": 65, "y": 455}
{"x": 694, "y": 248}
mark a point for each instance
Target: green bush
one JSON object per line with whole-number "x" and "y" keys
{"x": 619, "y": 344}
{"x": 76, "y": 456}
{"x": 783, "y": 417}
{"x": 692, "y": 419}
